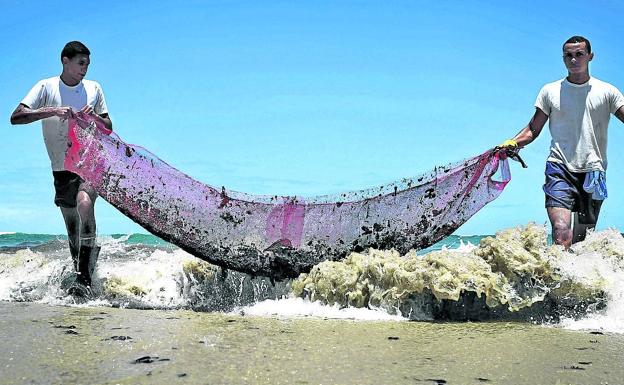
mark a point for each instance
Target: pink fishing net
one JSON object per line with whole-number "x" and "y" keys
{"x": 279, "y": 236}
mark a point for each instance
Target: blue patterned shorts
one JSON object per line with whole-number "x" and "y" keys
{"x": 565, "y": 189}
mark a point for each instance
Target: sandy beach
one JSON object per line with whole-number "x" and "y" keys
{"x": 45, "y": 344}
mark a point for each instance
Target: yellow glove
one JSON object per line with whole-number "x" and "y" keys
{"x": 509, "y": 143}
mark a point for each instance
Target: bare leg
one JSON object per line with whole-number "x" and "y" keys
{"x": 560, "y": 219}
{"x": 72, "y": 224}
{"x": 89, "y": 250}
{"x": 80, "y": 224}
{"x": 86, "y": 212}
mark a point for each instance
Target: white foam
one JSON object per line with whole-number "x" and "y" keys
{"x": 299, "y": 307}
{"x": 26, "y": 274}
{"x": 588, "y": 265}
{"x": 465, "y": 247}
{"x": 37, "y": 276}
{"x": 156, "y": 274}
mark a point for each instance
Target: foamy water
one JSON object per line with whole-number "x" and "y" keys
{"x": 299, "y": 307}
{"x": 608, "y": 264}
{"x": 140, "y": 276}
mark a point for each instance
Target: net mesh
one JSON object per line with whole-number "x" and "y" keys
{"x": 279, "y": 236}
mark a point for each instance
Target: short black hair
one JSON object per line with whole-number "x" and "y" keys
{"x": 74, "y": 48}
{"x": 578, "y": 39}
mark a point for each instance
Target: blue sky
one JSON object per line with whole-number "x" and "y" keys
{"x": 306, "y": 98}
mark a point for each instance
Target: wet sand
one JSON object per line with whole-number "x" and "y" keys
{"x": 43, "y": 344}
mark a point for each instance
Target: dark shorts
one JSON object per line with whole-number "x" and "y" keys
{"x": 565, "y": 189}
{"x": 67, "y": 184}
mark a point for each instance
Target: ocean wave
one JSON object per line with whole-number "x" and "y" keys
{"x": 514, "y": 275}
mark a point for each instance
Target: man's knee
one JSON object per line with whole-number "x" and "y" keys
{"x": 83, "y": 201}
{"x": 84, "y": 207}
{"x": 559, "y": 217}
{"x": 561, "y": 224}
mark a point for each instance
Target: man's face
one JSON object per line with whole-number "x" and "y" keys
{"x": 76, "y": 67}
{"x": 576, "y": 58}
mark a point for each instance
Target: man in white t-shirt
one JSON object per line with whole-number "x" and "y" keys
{"x": 53, "y": 101}
{"x": 579, "y": 107}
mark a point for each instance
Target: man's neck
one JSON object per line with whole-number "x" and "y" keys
{"x": 68, "y": 81}
{"x": 578, "y": 78}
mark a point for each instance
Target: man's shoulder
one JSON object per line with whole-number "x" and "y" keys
{"x": 54, "y": 80}
{"x": 48, "y": 83}
{"x": 91, "y": 84}
{"x": 594, "y": 80}
{"x": 552, "y": 86}
{"x": 600, "y": 84}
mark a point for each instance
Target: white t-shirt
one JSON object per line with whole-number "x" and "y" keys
{"x": 579, "y": 116}
{"x": 53, "y": 92}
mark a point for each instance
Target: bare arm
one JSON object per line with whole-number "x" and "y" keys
{"x": 24, "y": 114}
{"x": 533, "y": 129}
{"x": 620, "y": 114}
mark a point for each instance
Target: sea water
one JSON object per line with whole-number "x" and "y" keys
{"x": 558, "y": 315}
{"x": 134, "y": 271}
{"x": 515, "y": 274}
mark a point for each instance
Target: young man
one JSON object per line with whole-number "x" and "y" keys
{"x": 579, "y": 107}
{"x": 53, "y": 101}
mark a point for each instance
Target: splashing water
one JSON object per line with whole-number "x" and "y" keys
{"x": 514, "y": 275}
{"x": 131, "y": 275}
{"x": 599, "y": 258}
